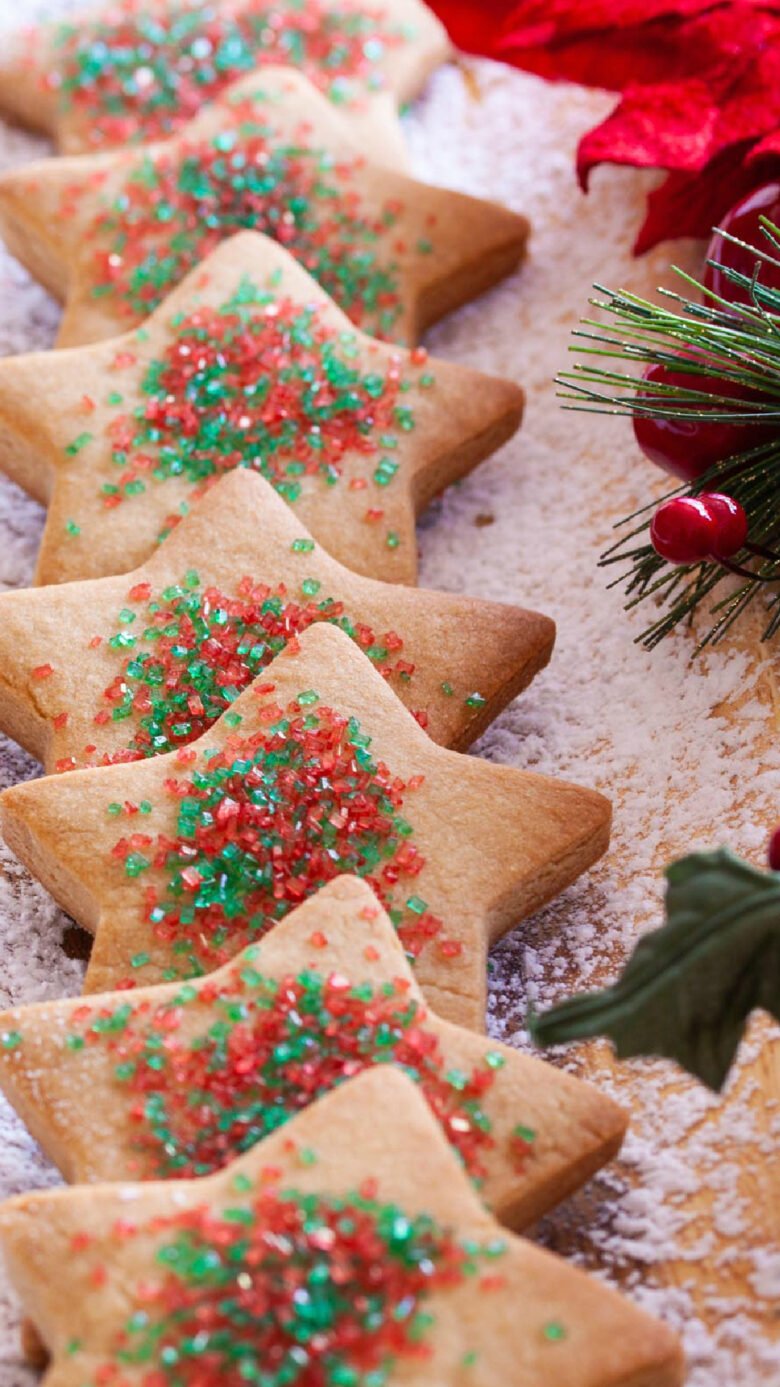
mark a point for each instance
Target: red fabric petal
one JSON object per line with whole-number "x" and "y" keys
{"x": 700, "y": 84}
{"x": 767, "y": 148}
{"x": 606, "y": 45}
{"x": 473, "y": 27}
{"x": 611, "y": 61}
{"x": 692, "y": 204}
{"x": 654, "y": 127}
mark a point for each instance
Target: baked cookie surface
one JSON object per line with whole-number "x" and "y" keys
{"x": 112, "y": 234}
{"x": 136, "y": 70}
{"x": 176, "y": 1081}
{"x": 119, "y": 669}
{"x": 248, "y": 364}
{"x": 180, "y": 861}
{"x": 347, "y": 1248}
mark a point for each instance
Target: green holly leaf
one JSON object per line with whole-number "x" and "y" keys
{"x": 689, "y": 987}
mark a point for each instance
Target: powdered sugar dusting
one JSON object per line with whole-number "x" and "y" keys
{"x": 682, "y": 1221}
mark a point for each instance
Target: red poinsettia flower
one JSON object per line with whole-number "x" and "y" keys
{"x": 699, "y": 83}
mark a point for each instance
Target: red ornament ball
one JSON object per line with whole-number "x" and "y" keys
{"x": 773, "y": 851}
{"x": 687, "y": 448}
{"x": 744, "y": 222}
{"x": 690, "y": 529}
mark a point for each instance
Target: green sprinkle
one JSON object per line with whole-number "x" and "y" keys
{"x": 494, "y": 1060}
{"x": 302, "y": 546}
{"x": 554, "y": 1331}
{"x": 78, "y": 443}
{"x": 385, "y": 471}
{"x": 135, "y": 864}
{"x": 11, "y": 1040}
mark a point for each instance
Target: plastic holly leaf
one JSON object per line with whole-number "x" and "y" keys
{"x": 689, "y": 987}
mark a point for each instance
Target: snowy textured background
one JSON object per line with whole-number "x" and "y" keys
{"x": 684, "y": 750}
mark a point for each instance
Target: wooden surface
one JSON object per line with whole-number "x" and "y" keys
{"x": 687, "y": 1220}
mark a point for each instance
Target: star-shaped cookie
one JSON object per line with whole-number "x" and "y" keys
{"x": 348, "y": 1248}
{"x": 247, "y": 364}
{"x": 133, "y": 70}
{"x": 117, "y": 669}
{"x": 112, "y": 234}
{"x": 175, "y": 1081}
{"x": 180, "y": 861}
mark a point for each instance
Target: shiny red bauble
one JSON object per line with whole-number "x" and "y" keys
{"x": 689, "y": 447}
{"x": 744, "y": 222}
{"x": 691, "y": 529}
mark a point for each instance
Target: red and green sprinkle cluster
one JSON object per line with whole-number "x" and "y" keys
{"x": 288, "y": 1289}
{"x": 265, "y": 822}
{"x": 264, "y": 383}
{"x": 190, "y": 650}
{"x": 180, "y": 201}
{"x": 199, "y": 1096}
{"x": 144, "y": 68}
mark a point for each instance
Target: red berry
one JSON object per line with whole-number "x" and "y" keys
{"x": 689, "y": 447}
{"x": 773, "y": 851}
{"x": 731, "y": 525}
{"x": 687, "y": 529}
{"x": 743, "y": 221}
{"x": 683, "y": 530}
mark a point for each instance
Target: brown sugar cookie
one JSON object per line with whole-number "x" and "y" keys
{"x": 112, "y": 234}
{"x": 180, "y": 861}
{"x": 348, "y": 1248}
{"x": 118, "y": 669}
{"x": 247, "y": 364}
{"x": 126, "y": 71}
{"x": 175, "y": 1081}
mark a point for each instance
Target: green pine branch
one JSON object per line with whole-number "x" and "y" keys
{"x": 741, "y": 345}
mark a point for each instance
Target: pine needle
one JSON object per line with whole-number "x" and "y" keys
{"x": 707, "y": 337}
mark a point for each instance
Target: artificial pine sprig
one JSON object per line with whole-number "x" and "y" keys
{"x": 738, "y": 343}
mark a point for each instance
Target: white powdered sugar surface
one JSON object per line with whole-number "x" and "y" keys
{"x": 680, "y": 1222}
